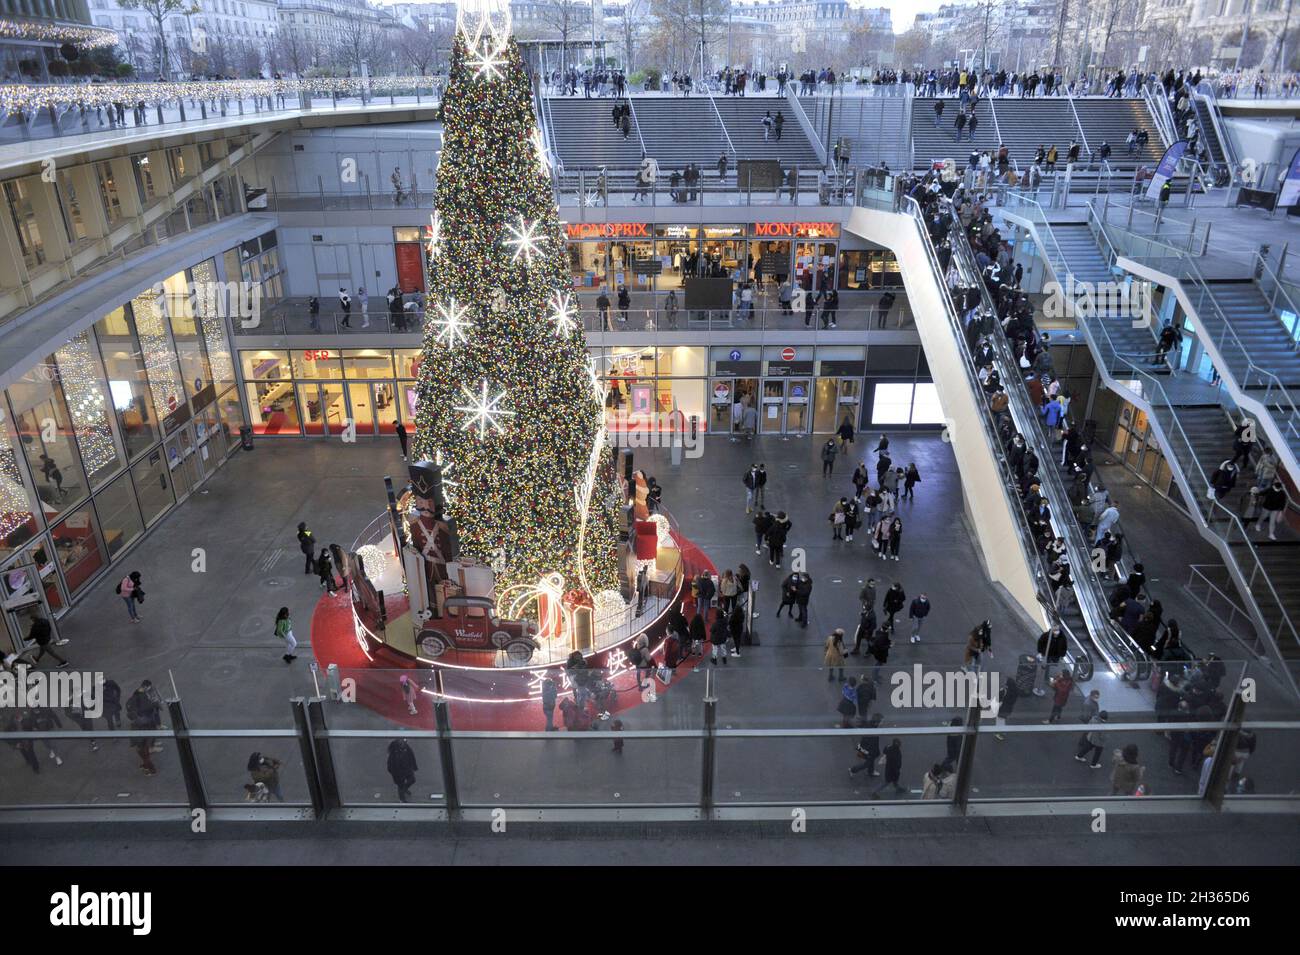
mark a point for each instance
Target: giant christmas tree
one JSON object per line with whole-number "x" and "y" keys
{"x": 509, "y": 403}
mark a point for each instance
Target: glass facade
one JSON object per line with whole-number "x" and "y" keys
{"x": 103, "y": 437}
{"x": 321, "y": 391}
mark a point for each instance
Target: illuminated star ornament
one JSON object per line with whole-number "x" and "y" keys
{"x": 484, "y": 412}
{"x": 451, "y": 323}
{"x": 487, "y": 48}
{"x": 562, "y": 316}
{"x": 525, "y": 240}
{"x": 448, "y": 485}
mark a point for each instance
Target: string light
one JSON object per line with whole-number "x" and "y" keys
{"x": 90, "y": 38}
{"x": 484, "y": 412}
{"x": 435, "y": 235}
{"x": 15, "y": 507}
{"x": 159, "y": 365}
{"x": 84, "y": 393}
{"x": 538, "y": 500}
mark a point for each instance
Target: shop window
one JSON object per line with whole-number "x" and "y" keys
{"x": 892, "y": 403}
{"x": 30, "y": 242}
{"x": 367, "y": 363}
{"x": 153, "y": 486}
{"x": 213, "y": 327}
{"x": 408, "y": 362}
{"x": 899, "y": 359}
{"x": 76, "y": 546}
{"x": 265, "y": 365}
{"x": 82, "y": 378}
{"x": 128, "y": 382}
{"x": 180, "y": 309}
{"x": 316, "y": 363}
{"x": 119, "y": 515}
{"x": 926, "y": 408}
{"x": 71, "y": 206}
{"x": 272, "y": 407}
{"x": 231, "y": 413}
{"x": 409, "y": 400}
{"x": 46, "y": 436}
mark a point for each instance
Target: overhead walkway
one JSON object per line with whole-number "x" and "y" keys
{"x": 1181, "y": 410}
{"x": 992, "y": 501}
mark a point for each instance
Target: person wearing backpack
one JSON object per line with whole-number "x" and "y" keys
{"x": 129, "y": 589}
{"x": 937, "y": 783}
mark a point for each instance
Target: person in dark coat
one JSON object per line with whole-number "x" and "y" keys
{"x": 549, "y": 695}
{"x": 325, "y": 569}
{"x": 42, "y": 635}
{"x": 893, "y": 768}
{"x": 895, "y": 601}
{"x": 868, "y": 748}
{"x": 307, "y": 544}
{"x": 402, "y": 767}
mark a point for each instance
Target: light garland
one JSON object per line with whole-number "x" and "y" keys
{"x": 29, "y": 97}
{"x": 90, "y": 38}
{"x": 213, "y": 326}
{"x": 159, "y": 359}
{"x": 374, "y": 560}
{"x": 15, "y": 506}
{"x": 535, "y": 481}
{"x": 82, "y": 389}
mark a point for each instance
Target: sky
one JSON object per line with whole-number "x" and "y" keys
{"x": 903, "y": 11}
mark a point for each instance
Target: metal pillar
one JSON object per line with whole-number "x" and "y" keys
{"x": 325, "y": 772}
{"x": 966, "y": 760}
{"x": 194, "y": 788}
{"x": 1225, "y": 750}
{"x": 709, "y": 748}
{"x": 446, "y": 756}
{"x": 302, "y": 726}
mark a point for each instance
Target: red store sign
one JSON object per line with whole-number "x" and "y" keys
{"x": 608, "y": 230}
{"x": 797, "y": 230}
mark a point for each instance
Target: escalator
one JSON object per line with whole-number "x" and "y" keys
{"x": 1087, "y": 616}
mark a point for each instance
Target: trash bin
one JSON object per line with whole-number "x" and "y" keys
{"x": 246, "y": 437}
{"x": 1026, "y": 670}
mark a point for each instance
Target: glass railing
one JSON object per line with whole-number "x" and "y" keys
{"x": 1114, "y": 646}
{"x": 35, "y": 111}
{"x": 620, "y": 188}
{"x": 694, "y": 736}
{"x": 1236, "y": 544}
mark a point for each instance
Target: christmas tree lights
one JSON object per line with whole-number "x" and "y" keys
{"x": 505, "y": 391}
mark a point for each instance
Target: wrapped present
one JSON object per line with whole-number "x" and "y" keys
{"x": 645, "y": 539}
{"x": 580, "y": 607}
{"x": 668, "y": 559}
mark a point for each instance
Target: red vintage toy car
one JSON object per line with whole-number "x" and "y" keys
{"x": 469, "y": 625}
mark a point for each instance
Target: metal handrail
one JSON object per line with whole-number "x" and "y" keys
{"x": 1158, "y": 107}
{"x": 1206, "y": 91}
{"x": 1215, "y": 512}
{"x": 1121, "y": 651}
{"x": 994, "y": 113}
{"x": 1033, "y": 557}
{"x": 637, "y": 123}
{"x": 1069, "y": 98}
{"x": 721, "y": 122}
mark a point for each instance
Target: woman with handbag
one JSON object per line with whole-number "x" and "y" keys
{"x": 129, "y": 589}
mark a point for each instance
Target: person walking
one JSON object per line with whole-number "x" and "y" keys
{"x": 895, "y": 601}
{"x": 776, "y": 537}
{"x": 910, "y": 477}
{"x": 828, "y": 458}
{"x": 602, "y": 309}
{"x": 364, "y": 298}
{"x": 307, "y": 544}
{"x": 410, "y": 694}
{"x": 284, "y": 630}
{"x": 802, "y": 593}
{"x": 848, "y": 704}
{"x": 845, "y": 433}
{"x": 402, "y": 767}
{"x": 860, "y": 480}
{"x": 1127, "y": 774}
{"x": 788, "y": 588}
{"x": 895, "y": 536}
{"x": 1062, "y": 687}
{"x": 833, "y": 658}
{"x": 980, "y": 641}
{"x": 550, "y": 693}
{"x": 42, "y": 634}
{"x": 1092, "y": 741}
{"x": 266, "y": 770}
{"x": 325, "y": 570}
{"x": 937, "y": 783}
{"x": 142, "y": 713}
{"x": 883, "y": 307}
{"x": 917, "y": 612}
{"x": 129, "y": 589}
{"x": 1273, "y": 504}
{"x": 345, "y": 306}
{"x": 868, "y": 749}
{"x": 313, "y": 313}
{"x": 893, "y": 768}
{"x": 762, "y": 524}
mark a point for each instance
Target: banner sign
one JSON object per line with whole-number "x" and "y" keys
{"x": 1165, "y": 171}
{"x": 1290, "y": 193}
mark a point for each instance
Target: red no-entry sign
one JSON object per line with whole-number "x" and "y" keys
{"x": 787, "y": 354}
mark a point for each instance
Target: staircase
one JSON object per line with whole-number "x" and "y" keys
{"x": 676, "y": 131}
{"x": 1112, "y": 120}
{"x": 585, "y": 137}
{"x": 1194, "y": 425}
{"x": 744, "y": 123}
{"x": 875, "y": 126}
{"x": 1255, "y": 324}
{"x": 934, "y": 143}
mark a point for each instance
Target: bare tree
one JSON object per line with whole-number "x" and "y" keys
{"x": 628, "y": 25}
{"x": 699, "y": 23}
{"x": 565, "y": 18}
{"x": 913, "y": 48}
{"x": 357, "y": 43}
{"x": 419, "y": 45}
{"x": 159, "y": 11}
{"x": 289, "y": 53}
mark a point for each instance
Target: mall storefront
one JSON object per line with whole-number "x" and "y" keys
{"x": 797, "y": 389}
{"x": 322, "y": 391}
{"x": 103, "y": 438}
{"x": 651, "y": 257}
